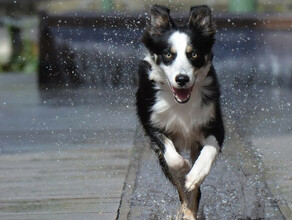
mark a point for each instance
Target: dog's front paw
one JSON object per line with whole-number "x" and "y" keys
{"x": 197, "y": 175}
{"x": 195, "y": 178}
{"x": 191, "y": 183}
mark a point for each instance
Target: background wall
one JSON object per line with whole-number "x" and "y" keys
{"x": 19, "y": 20}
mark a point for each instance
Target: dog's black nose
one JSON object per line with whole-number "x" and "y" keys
{"x": 182, "y": 80}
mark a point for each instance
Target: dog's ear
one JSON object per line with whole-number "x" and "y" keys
{"x": 200, "y": 19}
{"x": 160, "y": 20}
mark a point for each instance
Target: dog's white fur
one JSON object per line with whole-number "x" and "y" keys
{"x": 183, "y": 120}
{"x": 181, "y": 64}
{"x": 203, "y": 164}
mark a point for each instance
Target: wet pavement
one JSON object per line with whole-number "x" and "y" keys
{"x": 235, "y": 188}
{"x": 64, "y": 155}
{"x": 251, "y": 178}
{"x": 271, "y": 136}
{"x": 81, "y": 155}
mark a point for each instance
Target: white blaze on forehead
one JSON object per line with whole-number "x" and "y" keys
{"x": 179, "y": 41}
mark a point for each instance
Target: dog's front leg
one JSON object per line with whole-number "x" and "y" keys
{"x": 203, "y": 164}
{"x": 168, "y": 155}
{"x": 174, "y": 166}
{"x": 179, "y": 166}
{"x": 198, "y": 173}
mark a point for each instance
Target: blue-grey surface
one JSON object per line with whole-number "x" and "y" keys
{"x": 63, "y": 154}
{"x": 34, "y": 122}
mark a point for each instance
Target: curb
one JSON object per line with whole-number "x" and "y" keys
{"x": 283, "y": 206}
{"x": 130, "y": 181}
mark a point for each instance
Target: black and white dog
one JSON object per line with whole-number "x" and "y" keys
{"x": 178, "y": 99}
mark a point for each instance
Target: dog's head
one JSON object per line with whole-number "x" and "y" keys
{"x": 182, "y": 53}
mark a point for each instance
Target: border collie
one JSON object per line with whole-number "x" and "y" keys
{"x": 178, "y": 100}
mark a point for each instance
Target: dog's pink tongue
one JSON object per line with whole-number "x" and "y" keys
{"x": 182, "y": 94}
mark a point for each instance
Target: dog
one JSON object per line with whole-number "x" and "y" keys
{"x": 178, "y": 99}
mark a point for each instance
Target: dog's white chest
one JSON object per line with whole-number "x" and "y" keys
{"x": 181, "y": 120}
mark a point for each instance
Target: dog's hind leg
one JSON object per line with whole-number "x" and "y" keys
{"x": 179, "y": 167}
{"x": 190, "y": 205}
{"x": 195, "y": 195}
{"x": 178, "y": 179}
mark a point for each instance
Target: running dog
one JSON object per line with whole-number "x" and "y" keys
{"x": 178, "y": 100}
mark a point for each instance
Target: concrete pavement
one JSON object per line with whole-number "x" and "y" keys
{"x": 235, "y": 188}
{"x": 61, "y": 158}
{"x": 272, "y": 138}
{"x": 79, "y": 155}
{"x": 78, "y": 184}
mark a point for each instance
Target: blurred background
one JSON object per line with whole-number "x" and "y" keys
{"x": 19, "y": 21}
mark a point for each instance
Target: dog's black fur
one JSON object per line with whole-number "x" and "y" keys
{"x": 201, "y": 30}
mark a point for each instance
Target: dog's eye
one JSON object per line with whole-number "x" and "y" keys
{"x": 194, "y": 55}
{"x": 168, "y": 55}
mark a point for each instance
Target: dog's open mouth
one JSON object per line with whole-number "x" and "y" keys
{"x": 182, "y": 95}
